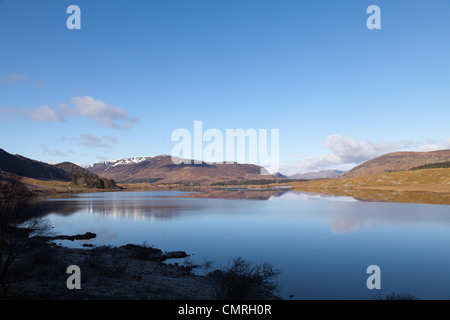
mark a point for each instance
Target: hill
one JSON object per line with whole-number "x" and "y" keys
{"x": 161, "y": 169}
{"x": 71, "y": 168}
{"x": 25, "y": 167}
{"x": 314, "y": 175}
{"x": 430, "y": 180}
{"x": 398, "y": 161}
{"x": 418, "y": 186}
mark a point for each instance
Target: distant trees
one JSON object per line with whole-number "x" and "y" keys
{"x": 436, "y": 165}
{"x": 93, "y": 181}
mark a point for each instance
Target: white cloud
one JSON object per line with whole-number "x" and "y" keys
{"x": 47, "y": 151}
{"x": 39, "y": 114}
{"x": 347, "y": 150}
{"x": 110, "y": 139}
{"x": 99, "y": 112}
{"x": 42, "y": 114}
{"x": 92, "y": 141}
{"x": 12, "y": 77}
{"x": 447, "y": 143}
{"x": 428, "y": 147}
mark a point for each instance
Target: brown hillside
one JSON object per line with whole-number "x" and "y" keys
{"x": 430, "y": 186}
{"x": 21, "y": 166}
{"x": 161, "y": 169}
{"x": 397, "y": 161}
{"x": 71, "y": 168}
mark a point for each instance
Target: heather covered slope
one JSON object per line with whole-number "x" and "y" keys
{"x": 25, "y": 167}
{"x": 161, "y": 169}
{"x": 71, "y": 168}
{"x": 398, "y": 161}
{"x": 40, "y": 174}
{"x": 418, "y": 186}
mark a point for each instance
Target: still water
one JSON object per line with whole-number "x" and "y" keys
{"x": 321, "y": 244}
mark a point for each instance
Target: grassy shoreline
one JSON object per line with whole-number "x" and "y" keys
{"x": 431, "y": 186}
{"x": 428, "y": 186}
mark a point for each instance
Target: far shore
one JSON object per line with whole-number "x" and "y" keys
{"x": 430, "y": 186}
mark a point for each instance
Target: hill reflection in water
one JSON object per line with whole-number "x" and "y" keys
{"x": 303, "y": 234}
{"x": 167, "y": 205}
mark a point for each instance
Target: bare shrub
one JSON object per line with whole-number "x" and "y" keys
{"x": 119, "y": 261}
{"x": 95, "y": 260}
{"x": 246, "y": 281}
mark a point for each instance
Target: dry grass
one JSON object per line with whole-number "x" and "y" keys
{"x": 53, "y": 187}
{"x": 420, "y": 186}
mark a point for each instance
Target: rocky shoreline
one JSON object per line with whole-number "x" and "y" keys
{"x": 128, "y": 272}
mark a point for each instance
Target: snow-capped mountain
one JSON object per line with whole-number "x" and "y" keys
{"x": 162, "y": 169}
{"x": 106, "y": 165}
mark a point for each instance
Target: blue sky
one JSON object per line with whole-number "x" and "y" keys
{"x": 338, "y": 92}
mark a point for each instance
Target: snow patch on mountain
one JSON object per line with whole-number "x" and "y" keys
{"x": 118, "y": 162}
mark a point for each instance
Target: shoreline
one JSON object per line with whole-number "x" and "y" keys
{"x": 414, "y": 194}
{"x": 111, "y": 273}
{"x": 427, "y": 186}
{"x": 127, "y": 272}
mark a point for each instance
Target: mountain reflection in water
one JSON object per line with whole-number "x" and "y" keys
{"x": 321, "y": 243}
{"x": 172, "y": 204}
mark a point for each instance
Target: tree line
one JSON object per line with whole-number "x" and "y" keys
{"x": 436, "y": 165}
{"x": 92, "y": 181}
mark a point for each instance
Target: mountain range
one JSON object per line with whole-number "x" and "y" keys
{"x": 163, "y": 170}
